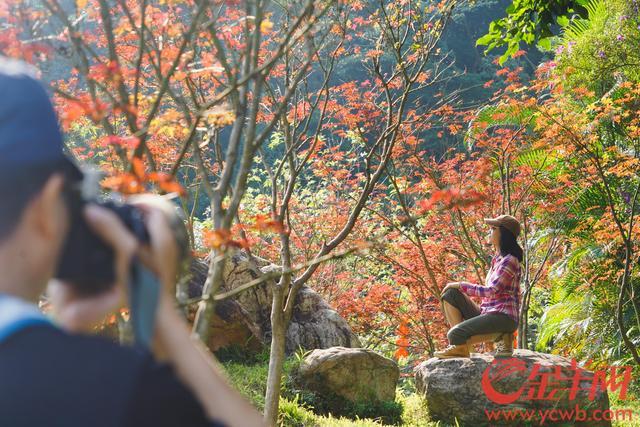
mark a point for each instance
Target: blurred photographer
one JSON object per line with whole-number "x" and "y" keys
{"x": 56, "y": 373}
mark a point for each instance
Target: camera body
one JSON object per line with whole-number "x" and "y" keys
{"x": 86, "y": 262}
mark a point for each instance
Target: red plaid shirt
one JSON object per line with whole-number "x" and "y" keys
{"x": 502, "y": 290}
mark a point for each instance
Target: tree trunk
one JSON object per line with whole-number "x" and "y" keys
{"x": 276, "y": 359}
{"x": 202, "y": 322}
{"x": 523, "y": 326}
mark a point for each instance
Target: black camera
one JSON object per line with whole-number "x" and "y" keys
{"x": 88, "y": 263}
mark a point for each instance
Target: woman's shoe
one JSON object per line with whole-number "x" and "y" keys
{"x": 504, "y": 346}
{"x": 488, "y": 347}
{"x": 453, "y": 351}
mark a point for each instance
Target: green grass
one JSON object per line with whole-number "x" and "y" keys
{"x": 250, "y": 378}
{"x": 415, "y": 415}
{"x": 631, "y": 402}
{"x": 249, "y": 374}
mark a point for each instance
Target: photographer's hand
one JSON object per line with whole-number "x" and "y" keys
{"x": 194, "y": 364}
{"x": 81, "y": 313}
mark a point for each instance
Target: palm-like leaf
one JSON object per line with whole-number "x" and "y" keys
{"x": 565, "y": 322}
{"x": 596, "y": 10}
{"x": 588, "y": 200}
{"x": 534, "y": 158}
{"x": 499, "y": 115}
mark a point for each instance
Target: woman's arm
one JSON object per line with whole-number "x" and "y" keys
{"x": 502, "y": 275}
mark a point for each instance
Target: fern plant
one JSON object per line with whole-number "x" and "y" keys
{"x": 578, "y": 27}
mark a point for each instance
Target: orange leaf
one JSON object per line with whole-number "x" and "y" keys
{"x": 138, "y": 167}
{"x": 217, "y": 238}
{"x": 401, "y": 352}
{"x": 171, "y": 187}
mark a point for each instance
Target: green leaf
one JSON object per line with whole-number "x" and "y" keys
{"x": 486, "y": 39}
{"x": 512, "y": 49}
{"x": 277, "y": 138}
{"x": 563, "y": 21}
{"x": 545, "y": 44}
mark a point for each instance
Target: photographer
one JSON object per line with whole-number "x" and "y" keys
{"x": 57, "y": 374}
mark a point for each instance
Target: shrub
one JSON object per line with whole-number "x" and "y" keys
{"x": 239, "y": 354}
{"x": 294, "y": 414}
{"x": 248, "y": 373}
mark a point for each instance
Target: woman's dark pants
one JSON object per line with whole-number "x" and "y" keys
{"x": 474, "y": 323}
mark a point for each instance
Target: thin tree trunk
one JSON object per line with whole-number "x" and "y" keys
{"x": 201, "y": 324}
{"x": 276, "y": 359}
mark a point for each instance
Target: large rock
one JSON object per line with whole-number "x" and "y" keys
{"x": 453, "y": 388}
{"x": 314, "y": 324}
{"x": 356, "y": 374}
{"x": 230, "y": 325}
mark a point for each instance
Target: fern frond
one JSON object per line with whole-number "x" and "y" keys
{"x": 497, "y": 116}
{"x": 596, "y": 11}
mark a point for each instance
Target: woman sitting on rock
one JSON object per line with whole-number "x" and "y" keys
{"x": 498, "y": 311}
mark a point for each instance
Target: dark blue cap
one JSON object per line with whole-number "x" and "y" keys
{"x": 30, "y": 136}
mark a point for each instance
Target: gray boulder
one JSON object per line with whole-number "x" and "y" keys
{"x": 356, "y": 374}
{"x": 315, "y": 324}
{"x": 453, "y": 388}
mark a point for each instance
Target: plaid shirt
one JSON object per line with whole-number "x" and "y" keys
{"x": 502, "y": 290}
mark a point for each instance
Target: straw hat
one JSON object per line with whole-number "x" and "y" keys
{"x": 507, "y": 221}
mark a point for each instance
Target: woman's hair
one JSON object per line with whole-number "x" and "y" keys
{"x": 509, "y": 244}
